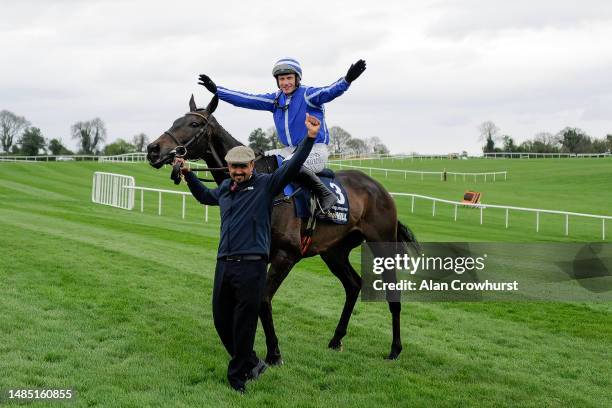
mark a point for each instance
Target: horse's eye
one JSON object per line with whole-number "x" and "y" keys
{"x": 195, "y": 124}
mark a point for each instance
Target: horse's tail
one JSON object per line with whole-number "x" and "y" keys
{"x": 405, "y": 234}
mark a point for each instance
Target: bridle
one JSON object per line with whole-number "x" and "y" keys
{"x": 181, "y": 149}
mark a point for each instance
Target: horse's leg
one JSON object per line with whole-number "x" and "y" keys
{"x": 337, "y": 259}
{"x": 388, "y": 233}
{"x": 280, "y": 266}
{"x": 396, "y": 344}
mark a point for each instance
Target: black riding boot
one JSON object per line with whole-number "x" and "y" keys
{"x": 309, "y": 179}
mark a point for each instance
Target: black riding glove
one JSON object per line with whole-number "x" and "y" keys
{"x": 206, "y": 82}
{"x": 355, "y": 70}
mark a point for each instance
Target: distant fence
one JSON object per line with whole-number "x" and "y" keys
{"x": 60, "y": 158}
{"x": 124, "y": 158}
{"x": 392, "y": 157}
{"x": 119, "y": 158}
{"x": 113, "y": 189}
{"x": 482, "y": 207}
{"x": 515, "y": 155}
{"x": 492, "y": 176}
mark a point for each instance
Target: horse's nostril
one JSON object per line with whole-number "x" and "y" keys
{"x": 153, "y": 148}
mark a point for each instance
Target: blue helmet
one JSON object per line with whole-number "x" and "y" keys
{"x": 286, "y": 66}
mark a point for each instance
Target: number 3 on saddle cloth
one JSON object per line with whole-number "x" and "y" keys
{"x": 338, "y": 213}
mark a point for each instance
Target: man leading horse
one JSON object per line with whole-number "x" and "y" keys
{"x": 245, "y": 200}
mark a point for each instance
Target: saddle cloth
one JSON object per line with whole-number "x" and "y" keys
{"x": 338, "y": 213}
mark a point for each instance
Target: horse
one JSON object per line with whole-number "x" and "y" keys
{"x": 372, "y": 218}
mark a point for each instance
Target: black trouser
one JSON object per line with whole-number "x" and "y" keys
{"x": 238, "y": 290}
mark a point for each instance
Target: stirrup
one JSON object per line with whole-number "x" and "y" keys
{"x": 319, "y": 208}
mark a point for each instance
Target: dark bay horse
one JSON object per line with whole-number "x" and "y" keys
{"x": 372, "y": 218}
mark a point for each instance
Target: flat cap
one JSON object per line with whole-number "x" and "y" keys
{"x": 240, "y": 154}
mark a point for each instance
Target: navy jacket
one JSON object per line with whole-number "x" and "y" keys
{"x": 246, "y": 211}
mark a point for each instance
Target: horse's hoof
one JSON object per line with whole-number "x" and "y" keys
{"x": 394, "y": 354}
{"x": 275, "y": 361}
{"x": 335, "y": 345}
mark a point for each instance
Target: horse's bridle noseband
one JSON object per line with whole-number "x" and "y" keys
{"x": 181, "y": 149}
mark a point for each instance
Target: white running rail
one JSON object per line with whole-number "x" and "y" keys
{"x": 492, "y": 175}
{"x": 110, "y": 189}
{"x": 482, "y": 207}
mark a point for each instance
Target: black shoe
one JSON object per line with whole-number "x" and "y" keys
{"x": 257, "y": 371}
{"x": 327, "y": 199}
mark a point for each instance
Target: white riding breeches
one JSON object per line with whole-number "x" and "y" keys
{"x": 316, "y": 160}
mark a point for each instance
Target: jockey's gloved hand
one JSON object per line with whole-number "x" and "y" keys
{"x": 355, "y": 70}
{"x": 206, "y": 82}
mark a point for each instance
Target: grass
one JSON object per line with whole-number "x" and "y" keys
{"x": 117, "y": 304}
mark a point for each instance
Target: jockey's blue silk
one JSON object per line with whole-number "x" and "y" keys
{"x": 289, "y": 121}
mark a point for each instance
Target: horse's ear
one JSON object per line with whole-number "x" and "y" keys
{"x": 212, "y": 105}
{"x": 192, "y": 105}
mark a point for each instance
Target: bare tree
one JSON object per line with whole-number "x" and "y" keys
{"x": 10, "y": 126}
{"x": 90, "y": 134}
{"x": 489, "y": 134}
{"x": 338, "y": 138}
{"x": 358, "y": 146}
{"x": 140, "y": 142}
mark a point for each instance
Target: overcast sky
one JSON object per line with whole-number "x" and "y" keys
{"x": 436, "y": 69}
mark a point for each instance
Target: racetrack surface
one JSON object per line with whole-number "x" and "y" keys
{"x": 116, "y": 304}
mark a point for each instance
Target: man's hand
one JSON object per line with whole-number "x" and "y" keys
{"x": 313, "y": 125}
{"x": 206, "y": 82}
{"x": 181, "y": 164}
{"x": 355, "y": 70}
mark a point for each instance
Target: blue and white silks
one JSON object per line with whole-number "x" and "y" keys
{"x": 289, "y": 111}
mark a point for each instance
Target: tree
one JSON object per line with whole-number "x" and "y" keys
{"x": 574, "y": 140}
{"x": 258, "y": 140}
{"x": 119, "y": 146}
{"x": 381, "y": 148}
{"x": 509, "y": 145}
{"x": 488, "y": 133}
{"x": 371, "y": 143}
{"x": 599, "y": 146}
{"x": 338, "y": 138}
{"x": 56, "y": 147}
{"x": 140, "y": 142}
{"x": 10, "y": 126}
{"x": 358, "y": 146}
{"x": 609, "y": 142}
{"x": 272, "y": 136}
{"x": 90, "y": 134}
{"x": 375, "y": 145}
{"x": 32, "y": 141}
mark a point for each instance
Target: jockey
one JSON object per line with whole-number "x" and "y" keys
{"x": 289, "y": 106}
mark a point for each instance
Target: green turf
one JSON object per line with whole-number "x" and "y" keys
{"x": 117, "y": 304}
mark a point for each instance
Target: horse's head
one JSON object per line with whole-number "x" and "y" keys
{"x": 186, "y": 135}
